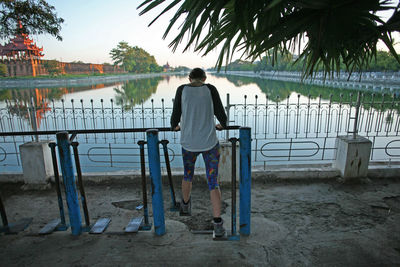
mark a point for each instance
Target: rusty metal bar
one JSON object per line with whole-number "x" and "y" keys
{"x": 233, "y": 235}
{"x": 141, "y": 144}
{"x": 164, "y": 144}
{"x": 80, "y": 182}
{"x": 57, "y": 181}
{"x": 3, "y": 214}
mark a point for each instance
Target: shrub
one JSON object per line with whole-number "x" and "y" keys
{"x": 3, "y": 70}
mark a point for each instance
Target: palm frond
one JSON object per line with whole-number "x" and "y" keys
{"x": 336, "y": 32}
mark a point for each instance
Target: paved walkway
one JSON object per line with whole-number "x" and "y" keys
{"x": 293, "y": 224}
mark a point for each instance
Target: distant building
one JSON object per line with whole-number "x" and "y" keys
{"x": 166, "y": 67}
{"x": 24, "y": 58}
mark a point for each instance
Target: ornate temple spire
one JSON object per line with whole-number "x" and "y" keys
{"x": 21, "y": 47}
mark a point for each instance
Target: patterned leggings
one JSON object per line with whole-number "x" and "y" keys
{"x": 211, "y": 160}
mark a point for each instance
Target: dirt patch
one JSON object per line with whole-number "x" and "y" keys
{"x": 200, "y": 219}
{"x": 393, "y": 203}
{"x": 128, "y": 204}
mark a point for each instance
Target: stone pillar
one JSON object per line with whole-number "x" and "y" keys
{"x": 11, "y": 69}
{"x": 225, "y": 162}
{"x": 36, "y": 164}
{"x": 352, "y": 156}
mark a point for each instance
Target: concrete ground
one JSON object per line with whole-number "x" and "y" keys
{"x": 293, "y": 223}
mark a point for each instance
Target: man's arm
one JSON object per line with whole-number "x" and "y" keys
{"x": 219, "y": 110}
{"x": 177, "y": 108}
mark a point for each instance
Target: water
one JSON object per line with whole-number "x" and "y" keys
{"x": 291, "y": 122}
{"x": 158, "y": 88}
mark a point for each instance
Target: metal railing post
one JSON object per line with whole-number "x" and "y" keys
{"x": 156, "y": 184}
{"x": 227, "y": 108}
{"x": 33, "y": 119}
{"x": 245, "y": 179}
{"x": 355, "y": 128}
{"x": 67, "y": 171}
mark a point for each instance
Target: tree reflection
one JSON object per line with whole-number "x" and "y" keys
{"x": 134, "y": 91}
{"x": 283, "y": 89}
{"x": 25, "y": 95}
{"x": 32, "y": 103}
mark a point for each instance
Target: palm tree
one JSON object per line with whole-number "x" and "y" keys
{"x": 333, "y": 31}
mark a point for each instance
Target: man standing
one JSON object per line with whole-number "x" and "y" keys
{"x": 194, "y": 108}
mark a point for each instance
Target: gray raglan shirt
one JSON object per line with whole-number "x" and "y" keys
{"x": 195, "y": 107}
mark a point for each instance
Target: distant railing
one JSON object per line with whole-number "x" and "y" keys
{"x": 303, "y": 130}
{"x": 296, "y": 129}
{"x": 374, "y": 81}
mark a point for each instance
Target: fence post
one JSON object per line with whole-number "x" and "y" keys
{"x": 67, "y": 171}
{"x": 245, "y": 179}
{"x": 228, "y": 107}
{"x": 156, "y": 184}
{"x": 355, "y": 126}
{"x": 33, "y": 119}
{"x": 353, "y": 152}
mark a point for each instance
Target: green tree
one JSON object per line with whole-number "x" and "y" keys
{"x": 119, "y": 53}
{"x": 384, "y": 62}
{"x": 52, "y": 67}
{"x": 182, "y": 68}
{"x": 133, "y": 92}
{"x": 36, "y": 17}
{"x": 3, "y": 70}
{"x": 5, "y": 94}
{"x": 240, "y": 65}
{"x": 154, "y": 67}
{"x": 134, "y": 59}
{"x": 335, "y": 32}
{"x": 284, "y": 62}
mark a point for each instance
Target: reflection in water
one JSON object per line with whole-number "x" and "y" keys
{"x": 33, "y": 103}
{"x": 284, "y": 89}
{"x": 133, "y": 92}
{"x": 45, "y": 94}
{"x": 22, "y": 102}
{"x": 286, "y": 122}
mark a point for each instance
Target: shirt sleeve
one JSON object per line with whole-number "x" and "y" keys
{"x": 177, "y": 108}
{"x": 219, "y": 110}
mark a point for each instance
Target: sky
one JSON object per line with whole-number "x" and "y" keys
{"x": 93, "y": 27}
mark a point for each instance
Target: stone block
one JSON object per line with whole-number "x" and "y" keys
{"x": 36, "y": 162}
{"x": 352, "y": 156}
{"x": 225, "y": 162}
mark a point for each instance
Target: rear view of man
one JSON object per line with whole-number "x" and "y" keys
{"x": 194, "y": 108}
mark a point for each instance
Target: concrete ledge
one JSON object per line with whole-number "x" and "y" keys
{"x": 303, "y": 172}
{"x": 384, "y": 172}
{"x": 11, "y": 177}
{"x": 277, "y": 172}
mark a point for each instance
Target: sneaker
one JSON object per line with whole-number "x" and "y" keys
{"x": 185, "y": 209}
{"x": 219, "y": 230}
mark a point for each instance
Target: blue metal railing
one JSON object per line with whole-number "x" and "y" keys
{"x": 290, "y": 122}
